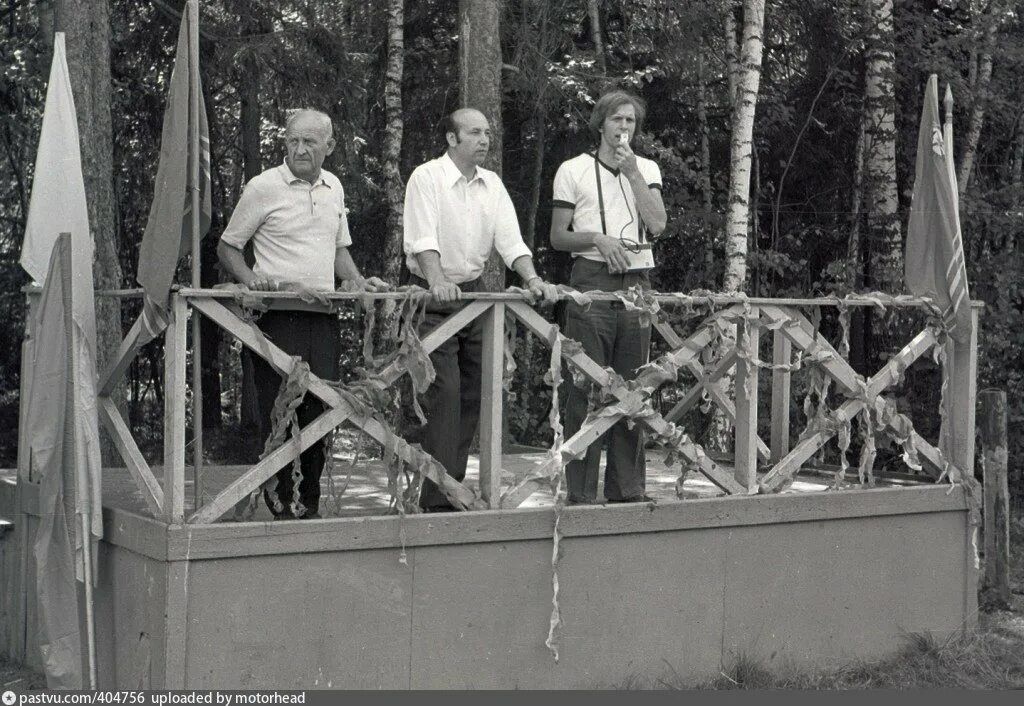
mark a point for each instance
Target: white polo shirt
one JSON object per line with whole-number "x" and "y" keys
{"x": 461, "y": 219}
{"x": 576, "y": 189}
{"x": 295, "y": 226}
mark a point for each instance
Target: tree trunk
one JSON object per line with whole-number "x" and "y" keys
{"x": 854, "y": 271}
{"x": 86, "y": 24}
{"x": 393, "y": 187}
{"x": 881, "y": 201}
{"x": 1017, "y": 167}
{"x": 732, "y": 58}
{"x": 251, "y": 116}
{"x": 980, "y": 94}
{"x": 741, "y": 147}
{"x": 594, "y": 13}
{"x": 480, "y": 88}
{"x": 536, "y": 179}
{"x": 705, "y": 165}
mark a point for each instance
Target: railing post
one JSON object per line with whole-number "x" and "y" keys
{"x": 174, "y": 411}
{"x": 749, "y": 332}
{"x": 491, "y": 403}
{"x": 997, "y": 496}
{"x": 961, "y": 399}
{"x": 782, "y": 354}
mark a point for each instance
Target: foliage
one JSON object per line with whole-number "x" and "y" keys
{"x": 330, "y": 55}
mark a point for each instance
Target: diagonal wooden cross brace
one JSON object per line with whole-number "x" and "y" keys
{"x": 705, "y": 381}
{"x": 795, "y": 327}
{"x": 628, "y": 399}
{"x": 340, "y": 410}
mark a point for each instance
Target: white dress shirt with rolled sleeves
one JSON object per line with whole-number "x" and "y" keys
{"x": 462, "y": 219}
{"x": 295, "y": 227}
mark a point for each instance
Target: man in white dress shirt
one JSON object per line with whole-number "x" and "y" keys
{"x": 456, "y": 213}
{"x": 295, "y": 216}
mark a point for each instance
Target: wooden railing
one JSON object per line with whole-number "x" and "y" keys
{"x": 732, "y": 327}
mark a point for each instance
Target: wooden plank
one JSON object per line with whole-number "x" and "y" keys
{"x": 251, "y": 337}
{"x": 174, "y": 411}
{"x": 134, "y": 461}
{"x": 962, "y": 394}
{"x": 491, "y": 403}
{"x": 176, "y": 625}
{"x": 236, "y": 539}
{"x": 438, "y": 335}
{"x": 705, "y": 380}
{"x": 782, "y": 354}
{"x": 242, "y": 486}
{"x": 746, "y": 404}
{"x": 126, "y": 353}
{"x": 802, "y": 335}
{"x": 890, "y": 373}
{"x": 997, "y": 495}
{"x": 670, "y": 299}
{"x": 590, "y": 432}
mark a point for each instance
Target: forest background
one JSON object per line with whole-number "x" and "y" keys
{"x": 837, "y": 86}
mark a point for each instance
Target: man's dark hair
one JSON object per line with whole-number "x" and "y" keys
{"x": 610, "y": 102}
{"x": 450, "y": 124}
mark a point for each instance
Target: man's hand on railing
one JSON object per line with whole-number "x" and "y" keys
{"x": 368, "y": 284}
{"x": 444, "y": 291}
{"x": 542, "y": 290}
{"x": 261, "y": 283}
{"x": 306, "y": 294}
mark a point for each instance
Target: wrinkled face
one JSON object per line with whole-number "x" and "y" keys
{"x": 308, "y": 144}
{"x": 473, "y": 140}
{"x": 621, "y": 121}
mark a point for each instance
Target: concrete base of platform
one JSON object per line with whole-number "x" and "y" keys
{"x": 683, "y": 587}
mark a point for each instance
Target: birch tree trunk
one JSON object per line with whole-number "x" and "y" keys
{"x": 86, "y": 24}
{"x": 880, "y": 197}
{"x": 732, "y": 59}
{"x": 393, "y": 187}
{"x": 980, "y": 95}
{"x": 741, "y": 148}
{"x": 480, "y": 88}
{"x": 594, "y": 12}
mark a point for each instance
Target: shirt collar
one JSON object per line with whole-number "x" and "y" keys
{"x": 290, "y": 178}
{"x": 452, "y": 173}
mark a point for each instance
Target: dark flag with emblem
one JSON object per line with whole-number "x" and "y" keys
{"x": 934, "y": 262}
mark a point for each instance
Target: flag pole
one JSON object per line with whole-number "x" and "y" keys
{"x": 197, "y": 366}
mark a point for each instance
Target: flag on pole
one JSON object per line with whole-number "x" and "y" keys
{"x": 64, "y": 451}
{"x": 934, "y": 262}
{"x": 168, "y": 235}
{"x": 62, "y": 430}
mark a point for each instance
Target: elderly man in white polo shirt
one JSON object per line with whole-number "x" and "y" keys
{"x": 456, "y": 213}
{"x": 606, "y": 207}
{"x": 294, "y": 214}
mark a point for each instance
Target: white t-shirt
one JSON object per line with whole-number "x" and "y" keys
{"x": 461, "y": 219}
{"x": 295, "y": 226}
{"x": 576, "y": 188}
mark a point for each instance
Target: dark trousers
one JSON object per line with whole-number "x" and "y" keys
{"x": 451, "y": 404}
{"x": 612, "y": 337}
{"x": 315, "y": 338}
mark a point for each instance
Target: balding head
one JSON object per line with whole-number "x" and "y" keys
{"x": 309, "y": 118}
{"x": 308, "y": 139}
{"x": 469, "y": 137}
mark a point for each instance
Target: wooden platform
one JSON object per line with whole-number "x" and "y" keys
{"x": 803, "y": 578}
{"x": 366, "y": 491}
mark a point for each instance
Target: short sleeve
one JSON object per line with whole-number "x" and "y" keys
{"x": 652, "y": 174}
{"x": 344, "y": 238}
{"x": 246, "y": 218}
{"x": 564, "y": 193}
